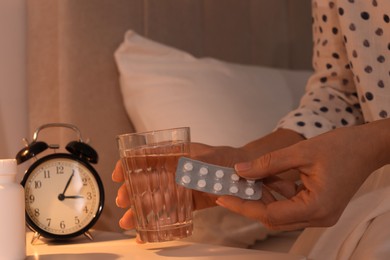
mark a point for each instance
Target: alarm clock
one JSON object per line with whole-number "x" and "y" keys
{"x": 64, "y": 194}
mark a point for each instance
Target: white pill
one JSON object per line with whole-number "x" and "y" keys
{"x": 218, "y": 186}
{"x": 233, "y": 189}
{"x": 219, "y": 174}
{"x": 188, "y": 166}
{"x": 201, "y": 183}
{"x": 203, "y": 171}
{"x": 235, "y": 177}
{"x": 249, "y": 191}
{"x": 186, "y": 179}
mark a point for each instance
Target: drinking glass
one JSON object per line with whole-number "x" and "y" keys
{"x": 163, "y": 209}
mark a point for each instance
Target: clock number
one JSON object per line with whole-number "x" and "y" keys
{"x": 60, "y": 169}
{"x": 89, "y": 195}
{"x": 86, "y": 209}
{"x": 31, "y": 198}
{"x": 48, "y": 221}
{"x": 36, "y": 212}
{"x": 46, "y": 174}
{"x": 38, "y": 184}
{"x": 85, "y": 181}
{"x": 76, "y": 220}
{"x": 62, "y": 225}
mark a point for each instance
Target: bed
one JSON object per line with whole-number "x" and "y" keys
{"x": 81, "y": 70}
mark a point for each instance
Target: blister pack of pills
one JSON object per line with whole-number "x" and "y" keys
{"x": 215, "y": 179}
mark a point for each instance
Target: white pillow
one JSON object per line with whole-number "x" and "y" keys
{"x": 223, "y": 103}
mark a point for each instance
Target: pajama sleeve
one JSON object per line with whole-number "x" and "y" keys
{"x": 330, "y": 100}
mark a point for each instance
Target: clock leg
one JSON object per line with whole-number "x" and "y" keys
{"x": 35, "y": 237}
{"x": 88, "y": 235}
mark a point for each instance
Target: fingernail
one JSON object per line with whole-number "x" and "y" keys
{"x": 120, "y": 223}
{"x": 113, "y": 176}
{"x": 244, "y": 166}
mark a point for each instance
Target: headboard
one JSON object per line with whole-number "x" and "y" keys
{"x": 72, "y": 76}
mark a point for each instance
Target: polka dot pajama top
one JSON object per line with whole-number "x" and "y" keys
{"x": 351, "y": 60}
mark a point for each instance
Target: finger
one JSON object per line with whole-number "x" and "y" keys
{"x": 122, "y": 198}
{"x": 266, "y": 196}
{"x": 276, "y": 215}
{"x": 291, "y": 227}
{"x": 284, "y": 187}
{"x": 269, "y": 164}
{"x": 202, "y": 200}
{"x": 138, "y": 239}
{"x": 127, "y": 221}
{"x": 117, "y": 174}
{"x": 238, "y": 205}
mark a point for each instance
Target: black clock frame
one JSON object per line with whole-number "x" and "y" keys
{"x": 36, "y": 164}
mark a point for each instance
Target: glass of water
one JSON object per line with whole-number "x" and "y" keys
{"x": 163, "y": 209}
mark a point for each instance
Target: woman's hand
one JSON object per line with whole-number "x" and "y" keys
{"x": 123, "y": 199}
{"x": 331, "y": 166}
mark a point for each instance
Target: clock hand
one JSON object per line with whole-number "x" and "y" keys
{"x": 67, "y": 184}
{"x": 74, "y": 197}
{"x": 62, "y": 196}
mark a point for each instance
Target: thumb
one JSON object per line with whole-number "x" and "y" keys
{"x": 269, "y": 164}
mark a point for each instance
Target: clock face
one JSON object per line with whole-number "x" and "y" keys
{"x": 63, "y": 196}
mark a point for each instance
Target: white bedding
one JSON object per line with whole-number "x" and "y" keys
{"x": 363, "y": 230}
